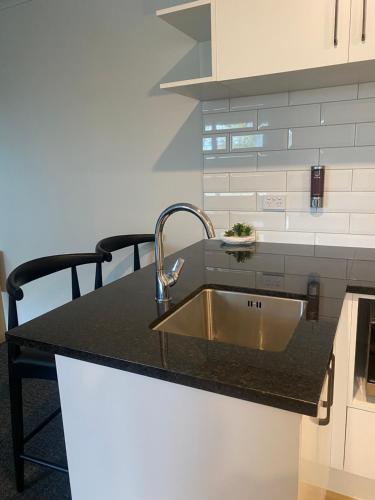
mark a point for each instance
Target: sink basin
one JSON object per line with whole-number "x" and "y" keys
{"x": 256, "y": 321}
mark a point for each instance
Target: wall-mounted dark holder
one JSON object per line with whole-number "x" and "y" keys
{"x": 317, "y": 186}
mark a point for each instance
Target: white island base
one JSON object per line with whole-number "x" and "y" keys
{"x": 131, "y": 437}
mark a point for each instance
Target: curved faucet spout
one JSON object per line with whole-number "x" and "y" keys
{"x": 166, "y": 279}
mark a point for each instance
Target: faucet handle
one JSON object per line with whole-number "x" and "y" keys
{"x": 177, "y": 268}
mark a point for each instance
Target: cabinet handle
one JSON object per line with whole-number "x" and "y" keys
{"x": 331, "y": 382}
{"x": 335, "y": 38}
{"x": 364, "y": 19}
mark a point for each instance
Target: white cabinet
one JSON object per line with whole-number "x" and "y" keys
{"x": 261, "y": 37}
{"x": 360, "y": 443}
{"x": 362, "y": 30}
{"x": 249, "y": 47}
{"x": 197, "y": 21}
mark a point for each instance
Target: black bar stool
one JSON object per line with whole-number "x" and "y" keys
{"x": 107, "y": 245}
{"x": 28, "y": 363}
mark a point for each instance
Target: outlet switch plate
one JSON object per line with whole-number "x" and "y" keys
{"x": 269, "y": 281}
{"x": 274, "y": 202}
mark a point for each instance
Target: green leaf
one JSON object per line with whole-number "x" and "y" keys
{"x": 240, "y": 229}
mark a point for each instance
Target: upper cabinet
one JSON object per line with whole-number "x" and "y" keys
{"x": 245, "y": 47}
{"x": 196, "y": 20}
{"x": 261, "y": 37}
{"x": 362, "y": 31}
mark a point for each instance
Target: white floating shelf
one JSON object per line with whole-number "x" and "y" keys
{"x": 193, "y": 19}
{"x": 328, "y": 76}
{"x": 183, "y": 83}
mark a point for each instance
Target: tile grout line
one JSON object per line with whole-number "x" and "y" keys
{"x": 287, "y": 169}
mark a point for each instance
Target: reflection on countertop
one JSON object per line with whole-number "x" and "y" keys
{"x": 290, "y": 268}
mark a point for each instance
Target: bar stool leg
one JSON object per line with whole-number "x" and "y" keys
{"x": 16, "y": 408}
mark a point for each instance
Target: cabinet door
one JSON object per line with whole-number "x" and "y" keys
{"x": 260, "y": 37}
{"x": 315, "y": 454}
{"x": 362, "y": 30}
{"x": 359, "y": 446}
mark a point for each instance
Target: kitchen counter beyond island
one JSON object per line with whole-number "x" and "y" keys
{"x": 111, "y": 326}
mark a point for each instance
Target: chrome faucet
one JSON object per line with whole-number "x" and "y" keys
{"x": 166, "y": 279}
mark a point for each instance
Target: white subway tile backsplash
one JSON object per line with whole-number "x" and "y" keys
{"x": 360, "y": 110}
{"x": 335, "y": 180}
{"x": 324, "y": 136}
{"x": 261, "y": 146}
{"x": 220, "y": 219}
{"x": 350, "y": 202}
{"x": 353, "y": 157}
{"x": 219, "y": 232}
{"x": 258, "y": 141}
{"x": 222, "y": 122}
{"x": 215, "y": 143}
{"x": 298, "y": 201}
{"x": 362, "y": 223}
{"x": 216, "y": 106}
{"x": 364, "y": 180}
{"x": 216, "y": 183}
{"x": 342, "y": 93}
{"x": 345, "y": 240}
{"x": 365, "y": 134}
{"x": 231, "y": 162}
{"x": 290, "y": 116}
{"x": 366, "y": 90}
{"x": 298, "y": 180}
{"x": 285, "y": 237}
{"x": 259, "y": 101}
{"x": 230, "y": 201}
{"x": 258, "y": 181}
{"x": 266, "y": 221}
{"x": 293, "y": 159}
{"x": 317, "y": 222}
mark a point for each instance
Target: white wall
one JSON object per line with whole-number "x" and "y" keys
{"x": 266, "y": 146}
{"x": 89, "y": 146}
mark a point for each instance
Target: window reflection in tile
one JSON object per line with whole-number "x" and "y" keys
{"x": 214, "y": 143}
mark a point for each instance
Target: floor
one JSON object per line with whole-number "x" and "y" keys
{"x": 41, "y": 399}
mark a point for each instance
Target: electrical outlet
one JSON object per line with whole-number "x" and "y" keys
{"x": 271, "y": 281}
{"x": 274, "y": 202}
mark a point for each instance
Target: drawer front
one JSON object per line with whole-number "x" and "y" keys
{"x": 360, "y": 443}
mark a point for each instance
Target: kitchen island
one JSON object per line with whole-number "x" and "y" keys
{"x": 153, "y": 415}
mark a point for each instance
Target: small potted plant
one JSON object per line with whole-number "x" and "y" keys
{"x": 240, "y": 234}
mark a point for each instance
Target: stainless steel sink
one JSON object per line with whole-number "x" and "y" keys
{"x": 255, "y": 321}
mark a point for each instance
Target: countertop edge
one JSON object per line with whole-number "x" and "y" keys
{"x": 307, "y": 408}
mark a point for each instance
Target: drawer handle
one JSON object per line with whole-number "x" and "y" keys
{"x": 364, "y": 20}
{"x": 328, "y": 404}
{"x": 335, "y": 36}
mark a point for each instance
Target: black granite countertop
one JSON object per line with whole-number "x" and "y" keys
{"x": 111, "y": 326}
